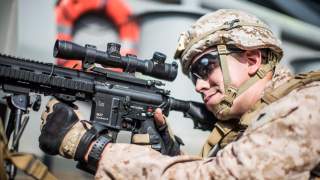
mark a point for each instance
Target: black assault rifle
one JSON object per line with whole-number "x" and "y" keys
{"x": 120, "y": 101}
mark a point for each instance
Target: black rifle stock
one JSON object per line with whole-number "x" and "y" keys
{"x": 120, "y": 101}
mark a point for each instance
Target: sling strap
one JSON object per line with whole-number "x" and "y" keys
{"x": 28, "y": 163}
{"x": 222, "y": 134}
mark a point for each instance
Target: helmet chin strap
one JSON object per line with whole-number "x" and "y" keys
{"x": 223, "y": 109}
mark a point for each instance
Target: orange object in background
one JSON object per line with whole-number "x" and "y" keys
{"x": 68, "y": 12}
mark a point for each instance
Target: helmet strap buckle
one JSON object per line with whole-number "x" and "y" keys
{"x": 261, "y": 73}
{"x": 230, "y": 94}
{"x": 222, "y": 49}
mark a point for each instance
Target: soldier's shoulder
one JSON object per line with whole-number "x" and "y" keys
{"x": 303, "y": 101}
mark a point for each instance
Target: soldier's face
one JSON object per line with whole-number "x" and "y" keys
{"x": 209, "y": 79}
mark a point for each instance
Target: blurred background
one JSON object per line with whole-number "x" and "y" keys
{"x": 29, "y": 28}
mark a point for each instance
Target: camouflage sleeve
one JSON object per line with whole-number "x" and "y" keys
{"x": 283, "y": 143}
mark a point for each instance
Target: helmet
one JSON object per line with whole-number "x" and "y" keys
{"x": 229, "y": 28}
{"x": 233, "y": 27}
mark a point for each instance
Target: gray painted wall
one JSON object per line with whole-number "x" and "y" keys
{"x": 8, "y": 27}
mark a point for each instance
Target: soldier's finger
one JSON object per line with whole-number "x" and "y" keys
{"x": 159, "y": 118}
{"x": 51, "y": 103}
{"x": 44, "y": 116}
{"x": 47, "y": 111}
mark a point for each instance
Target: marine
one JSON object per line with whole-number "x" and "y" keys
{"x": 268, "y": 124}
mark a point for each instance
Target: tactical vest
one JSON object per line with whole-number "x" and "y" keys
{"x": 28, "y": 163}
{"x": 225, "y": 132}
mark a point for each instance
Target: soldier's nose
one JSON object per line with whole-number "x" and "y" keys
{"x": 202, "y": 85}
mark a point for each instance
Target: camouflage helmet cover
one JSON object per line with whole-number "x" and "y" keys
{"x": 225, "y": 26}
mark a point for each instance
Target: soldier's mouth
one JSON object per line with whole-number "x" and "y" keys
{"x": 207, "y": 98}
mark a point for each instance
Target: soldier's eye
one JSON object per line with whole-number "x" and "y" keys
{"x": 203, "y": 66}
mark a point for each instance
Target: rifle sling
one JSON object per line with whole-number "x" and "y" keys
{"x": 28, "y": 163}
{"x": 31, "y": 165}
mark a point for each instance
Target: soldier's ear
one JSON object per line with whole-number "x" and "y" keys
{"x": 254, "y": 60}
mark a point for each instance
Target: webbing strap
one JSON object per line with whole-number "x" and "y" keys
{"x": 294, "y": 83}
{"x": 31, "y": 166}
{"x": 220, "y": 130}
{"x": 3, "y": 152}
{"x": 247, "y": 118}
{"x": 230, "y": 91}
{"x": 264, "y": 69}
{"x": 23, "y": 161}
{"x": 3, "y": 174}
{"x": 279, "y": 92}
{"x": 222, "y": 50}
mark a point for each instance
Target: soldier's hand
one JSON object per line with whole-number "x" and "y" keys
{"x": 61, "y": 129}
{"x": 171, "y": 143}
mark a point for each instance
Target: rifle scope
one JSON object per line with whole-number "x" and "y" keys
{"x": 155, "y": 67}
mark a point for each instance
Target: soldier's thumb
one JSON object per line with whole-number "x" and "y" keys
{"x": 159, "y": 118}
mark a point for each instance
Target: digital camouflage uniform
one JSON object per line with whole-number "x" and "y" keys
{"x": 281, "y": 143}
{"x": 281, "y": 134}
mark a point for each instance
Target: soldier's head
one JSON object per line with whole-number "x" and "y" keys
{"x": 229, "y": 55}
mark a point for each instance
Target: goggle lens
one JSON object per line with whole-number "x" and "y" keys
{"x": 203, "y": 66}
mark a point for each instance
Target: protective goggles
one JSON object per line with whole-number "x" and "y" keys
{"x": 203, "y": 66}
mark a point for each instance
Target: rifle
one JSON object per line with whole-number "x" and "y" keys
{"x": 120, "y": 101}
